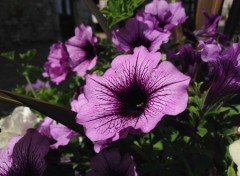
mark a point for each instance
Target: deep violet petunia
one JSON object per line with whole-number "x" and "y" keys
{"x": 226, "y": 65}
{"x": 24, "y": 155}
{"x": 111, "y": 162}
{"x": 136, "y": 33}
{"x": 189, "y": 58}
{"x": 59, "y": 134}
{"x": 57, "y": 66}
{"x": 209, "y": 31}
{"x": 82, "y": 50}
{"x": 167, "y": 15}
{"x": 133, "y": 95}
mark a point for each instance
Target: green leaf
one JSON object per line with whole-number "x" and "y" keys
{"x": 9, "y": 55}
{"x": 202, "y": 131}
{"x": 231, "y": 171}
{"x": 119, "y": 10}
{"x": 27, "y": 56}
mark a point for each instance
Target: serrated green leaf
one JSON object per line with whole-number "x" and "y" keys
{"x": 119, "y": 10}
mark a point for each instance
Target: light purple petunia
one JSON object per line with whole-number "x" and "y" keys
{"x": 57, "y": 66}
{"x": 82, "y": 50}
{"x": 111, "y": 162}
{"x": 24, "y": 155}
{"x": 38, "y": 85}
{"x": 133, "y": 95}
{"x": 137, "y": 33}
{"x": 58, "y": 133}
{"x": 168, "y": 15}
{"x": 226, "y": 65}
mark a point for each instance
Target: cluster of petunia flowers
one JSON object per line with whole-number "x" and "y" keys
{"x": 131, "y": 97}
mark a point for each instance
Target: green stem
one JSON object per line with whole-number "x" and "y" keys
{"x": 30, "y": 85}
{"x": 187, "y": 166}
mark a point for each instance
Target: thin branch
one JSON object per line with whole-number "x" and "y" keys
{"x": 100, "y": 18}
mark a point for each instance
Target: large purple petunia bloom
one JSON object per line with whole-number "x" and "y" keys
{"x": 57, "y": 66}
{"x": 81, "y": 49}
{"x": 137, "y": 33}
{"x": 226, "y": 65}
{"x": 168, "y": 15}
{"x": 133, "y": 95}
{"x": 58, "y": 133}
{"x": 24, "y": 155}
{"x": 111, "y": 162}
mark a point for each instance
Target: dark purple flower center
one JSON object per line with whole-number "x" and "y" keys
{"x": 162, "y": 24}
{"x": 133, "y": 100}
{"x": 89, "y": 50}
{"x": 141, "y": 41}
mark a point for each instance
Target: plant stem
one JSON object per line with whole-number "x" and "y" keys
{"x": 30, "y": 85}
{"x": 100, "y": 18}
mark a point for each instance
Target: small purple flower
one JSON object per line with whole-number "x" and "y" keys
{"x": 135, "y": 34}
{"x": 189, "y": 57}
{"x": 57, "y": 66}
{"x": 60, "y": 134}
{"x": 168, "y": 15}
{"x": 226, "y": 65}
{"x": 38, "y": 85}
{"x": 81, "y": 49}
{"x": 133, "y": 95}
{"x": 210, "y": 28}
{"x": 209, "y": 32}
{"x": 24, "y": 155}
{"x": 111, "y": 162}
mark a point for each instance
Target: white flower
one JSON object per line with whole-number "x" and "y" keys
{"x": 234, "y": 150}
{"x": 16, "y": 124}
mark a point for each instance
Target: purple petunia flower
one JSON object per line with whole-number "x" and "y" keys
{"x": 110, "y": 162}
{"x": 24, "y": 155}
{"x": 81, "y": 49}
{"x": 133, "y": 95}
{"x": 168, "y": 15}
{"x": 227, "y": 71}
{"x": 209, "y": 32}
{"x": 38, "y": 85}
{"x": 135, "y": 34}
{"x": 60, "y": 134}
{"x": 57, "y": 66}
{"x": 189, "y": 57}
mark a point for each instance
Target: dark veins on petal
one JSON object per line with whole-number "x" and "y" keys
{"x": 89, "y": 50}
{"x": 25, "y": 162}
